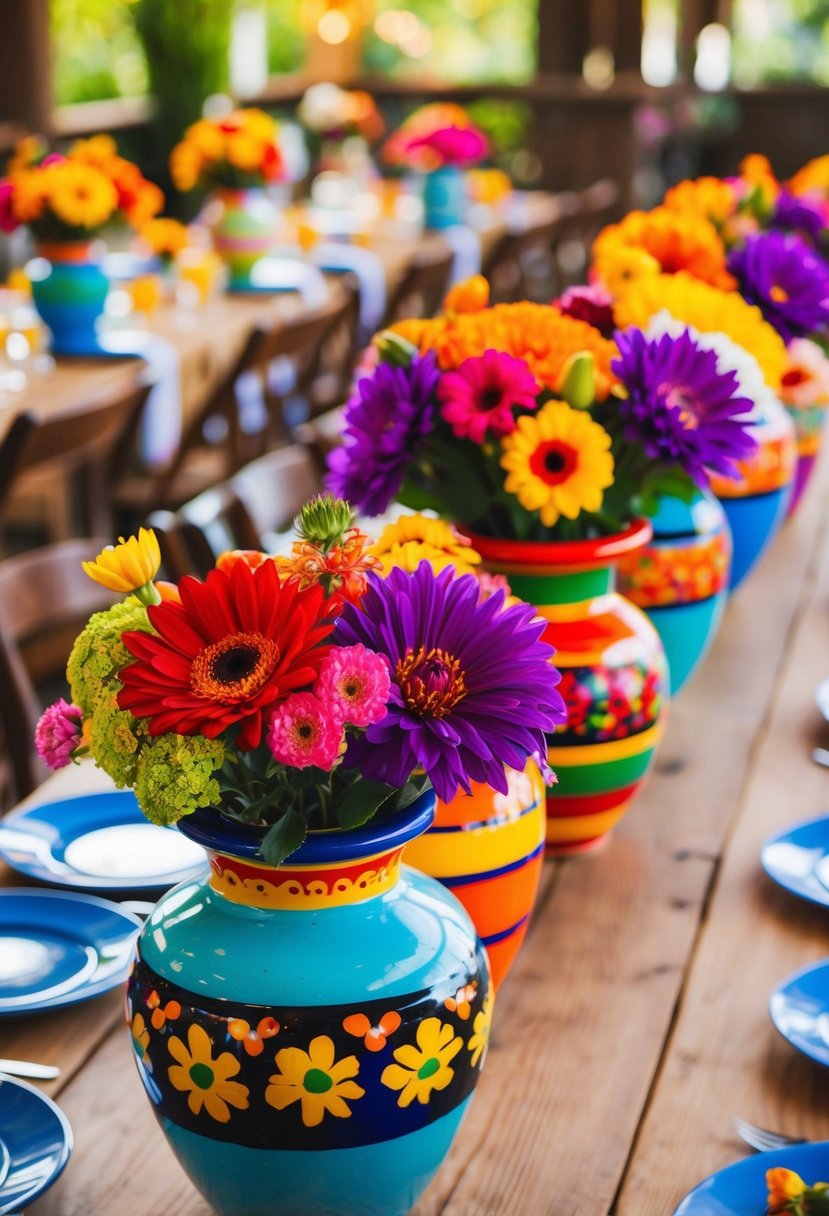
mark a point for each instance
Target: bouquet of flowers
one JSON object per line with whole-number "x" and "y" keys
{"x": 303, "y": 691}
{"x": 788, "y": 1193}
{"x": 333, "y": 113}
{"x": 238, "y": 152}
{"x": 434, "y": 136}
{"x": 527, "y": 423}
{"x": 72, "y": 197}
{"x": 165, "y": 238}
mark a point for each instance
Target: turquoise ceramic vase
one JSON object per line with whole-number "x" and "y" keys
{"x": 69, "y": 289}
{"x": 755, "y": 501}
{"x": 245, "y": 232}
{"x": 310, "y": 1036}
{"x": 680, "y": 579}
{"x": 444, "y": 197}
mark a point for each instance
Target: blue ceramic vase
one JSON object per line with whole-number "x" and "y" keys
{"x": 310, "y": 1036}
{"x": 680, "y": 579}
{"x": 755, "y": 501}
{"x": 69, "y": 289}
{"x": 444, "y": 197}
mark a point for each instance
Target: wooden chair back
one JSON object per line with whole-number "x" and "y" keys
{"x": 78, "y": 439}
{"x": 424, "y": 283}
{"x": 298, "y": 348}
{"x": 521, "y": 266}
{"x": 252, "y": 510}
{"x": 45, "y": 599}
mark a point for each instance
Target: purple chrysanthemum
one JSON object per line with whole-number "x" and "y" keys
{"x": 679, "y": 406}
{"x": 787, "y": 280}
{"x": 793, "y": 213}
{"x": 386, "y": 421}
{"x": 472, "y": 690}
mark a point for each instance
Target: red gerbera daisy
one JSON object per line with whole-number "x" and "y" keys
{"x": 236, "y": 645}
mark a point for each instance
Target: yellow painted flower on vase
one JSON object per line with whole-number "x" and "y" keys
{"x": 422, "y": 1069}
{"x": 321, "y": 1084}
{"x": 558, "y": 462}
{"x": 207, "y": 1080}
{"x": 141, "y": 1040}
{"x": 481, "y": 1027}
{"x": 129, "y": 566}
{"x": 412, "y": 539}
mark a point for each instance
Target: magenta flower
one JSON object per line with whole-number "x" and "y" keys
{"x": 589, "y": 302}
{"x": 8, "y": 221}
{"x": 454, "y": 145}
{"x": 58, "y": 733}
{"x": 304, "y": 732}
{"x": 481, "y": 395}
{"x": 355, "y": 682}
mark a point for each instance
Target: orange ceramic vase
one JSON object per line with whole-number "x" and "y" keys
{"x": 488, "y": 849}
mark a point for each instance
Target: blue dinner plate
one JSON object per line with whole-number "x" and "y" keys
{"x": 798, "y": 859}
{"x": 799, "y": 1009}
{"x": 100, "y": 842}
{"x": 37, "y": 1139}
{"x": 58, "y": 948}
{"x": 740, "y": 1189}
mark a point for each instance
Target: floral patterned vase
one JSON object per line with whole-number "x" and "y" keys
{"x": 680, "y": 579}
{"x": 69, "y": 289}
{"x": 808, "y": 426}
{"x": 310, "y": 1036}
{"x": 245, "y": 232}
{"x": 488, "y": 849}
{"x": 444, "y": 197}
{"x": 755, "y": 502}
{"x": 614, "y": 677}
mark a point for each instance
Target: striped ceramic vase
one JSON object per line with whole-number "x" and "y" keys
{"x": 311, "y": 1035}
{"x": 680, "y": 579}
{"x": 488, "y": 849}
{"x": 614, "y": 677}
{"x": 70, "y": 289}
{"x": 245, "y": 232}
{"x": 755, "y": 502}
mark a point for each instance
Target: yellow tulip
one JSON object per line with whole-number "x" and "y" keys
{"x": 129, "y": 567}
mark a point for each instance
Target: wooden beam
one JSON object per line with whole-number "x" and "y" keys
{"x": 563, "y": 36}
{"x": 26, "y": 64}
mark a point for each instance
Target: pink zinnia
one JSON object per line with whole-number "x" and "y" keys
{"x": 58, "y": 733}
{"x": 304, "y": 732}
{"x": 355, "y": 682}
{"x": 481, "y": 395}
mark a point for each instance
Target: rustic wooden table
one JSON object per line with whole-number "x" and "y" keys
{"x": 634, "y": 1024}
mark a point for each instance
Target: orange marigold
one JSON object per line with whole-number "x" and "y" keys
{"x": 677, "y": 241}
{"x": 813, "y": 178}
{"x": 539, "y": 334}
{"x": 710, "y": 197}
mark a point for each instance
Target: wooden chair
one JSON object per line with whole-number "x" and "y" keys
{"x": 72, "y": 444}
{"x": 292, "y": 361}
{"x": 321, "y": 435}
{"x": 521, "y": 266}
{"x": 424, "y": 283}
{"x": 45, "y": 599}
{"x": 254, "y": 509}
{"x": 592, "y": 209}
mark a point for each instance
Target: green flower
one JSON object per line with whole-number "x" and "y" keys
{"x": 115, "y": 739}
{"x": 323, "y": 521}
{"x": 99, "y": 654}
{"x": 174, "y": 776}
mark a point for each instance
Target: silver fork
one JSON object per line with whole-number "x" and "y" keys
{"x": 761, "y": 1139}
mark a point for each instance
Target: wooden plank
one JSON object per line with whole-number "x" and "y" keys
{"x": 725, "y": 1058}
{"x": 580, "y": 1026}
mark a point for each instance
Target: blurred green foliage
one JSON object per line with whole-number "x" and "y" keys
{"x": 97, "y": 53}
{"x": 779, "y": 40}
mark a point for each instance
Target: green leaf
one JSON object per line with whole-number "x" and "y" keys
{"x": 410, "y": 793}
{"x": 361, "y": 801}
{"x": 283, "y": 838}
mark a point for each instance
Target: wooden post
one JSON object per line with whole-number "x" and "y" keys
{"x": 563, "y": 37}
{"x": 26, "y": 65}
